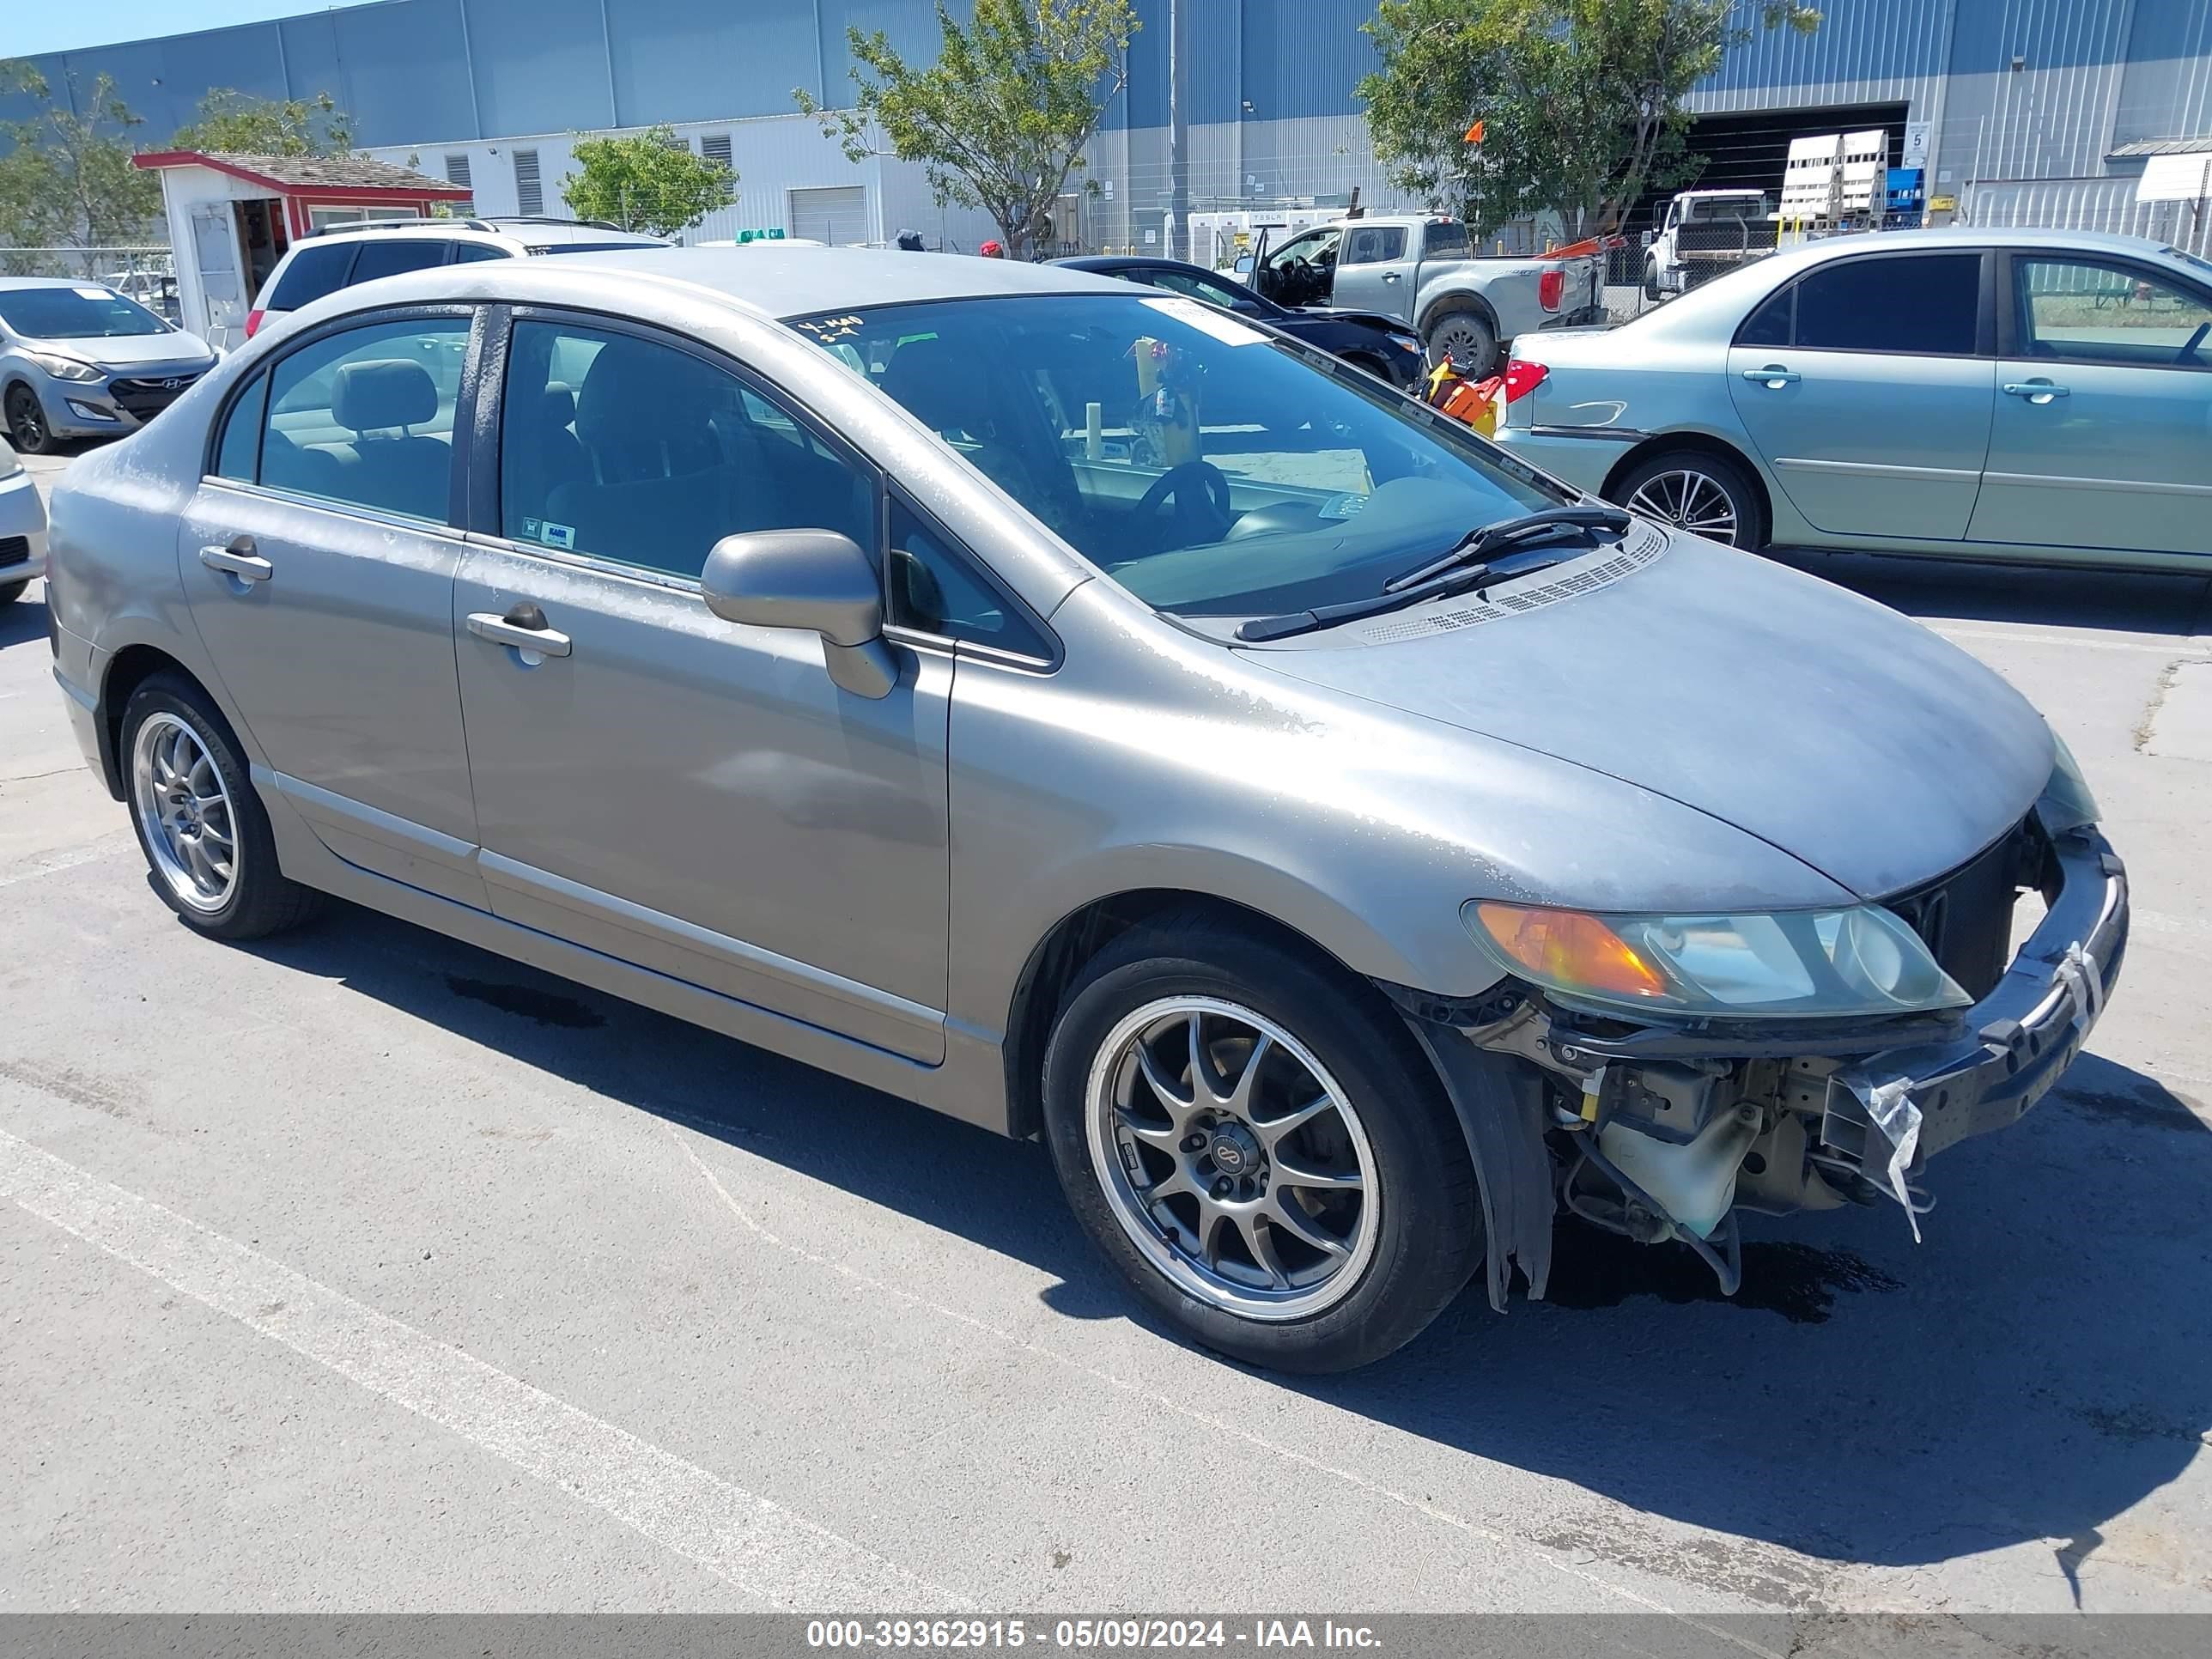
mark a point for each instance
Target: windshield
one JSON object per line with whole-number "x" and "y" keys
{"x": 74, "y": 313}
{"x": 1208, "y": 468}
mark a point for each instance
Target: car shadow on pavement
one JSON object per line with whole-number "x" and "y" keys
{"x": 2039, "y": 1366}
{"x": 1961, "y": 590}
{"x": 26, "y": 619}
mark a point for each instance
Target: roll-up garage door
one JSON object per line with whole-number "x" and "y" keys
{"x": 838, "y": 216}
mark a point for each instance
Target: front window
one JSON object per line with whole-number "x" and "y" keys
{"x": 1209, "y": 468}
{"x": 89, "y": 312}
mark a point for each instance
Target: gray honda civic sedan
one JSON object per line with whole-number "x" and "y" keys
{"x": 1101, "y": 718}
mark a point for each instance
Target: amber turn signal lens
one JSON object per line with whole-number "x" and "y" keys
{"x": 1567, "y": 948}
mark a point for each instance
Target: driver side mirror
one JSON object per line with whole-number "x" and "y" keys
{"x": 816, "y": 579}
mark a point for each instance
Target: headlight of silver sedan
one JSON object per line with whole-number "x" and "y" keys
{"x": 2066, "y": 803}
{"x": 1797, "y": 963}
{"x": 63, "y": 369}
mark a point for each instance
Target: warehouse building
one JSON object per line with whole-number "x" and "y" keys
{"x": 2020, "y": 111}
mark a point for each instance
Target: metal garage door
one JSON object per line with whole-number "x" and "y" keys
{"x": 837, "y": 216}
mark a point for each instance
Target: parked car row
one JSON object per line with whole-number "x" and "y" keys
{"x": 1097, "y": 715}
{"x": 2014, "y": 394}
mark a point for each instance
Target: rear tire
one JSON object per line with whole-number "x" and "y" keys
{"x": 1466, "y": 334}
{"x": 1335, "y": 1239}
{"x": 1693, "y": 490}
{"x": 201, "y": 828}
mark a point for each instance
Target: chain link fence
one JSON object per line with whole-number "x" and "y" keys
{"x": 147, "y": 274}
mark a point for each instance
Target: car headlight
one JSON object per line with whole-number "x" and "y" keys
{"x": 2066, "y": 803}
{"x": 1799, "y": 964}
{"x": 64, "y": 368}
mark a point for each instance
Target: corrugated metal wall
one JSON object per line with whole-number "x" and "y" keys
{"x": 1267, "y": 96}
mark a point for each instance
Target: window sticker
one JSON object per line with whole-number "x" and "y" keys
{"x": 1207, "y": 320}
{"x": 93, "y": 293}
{"x": 558, "y": 535}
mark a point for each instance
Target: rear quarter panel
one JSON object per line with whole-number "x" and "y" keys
{"x": 111, "y": 578}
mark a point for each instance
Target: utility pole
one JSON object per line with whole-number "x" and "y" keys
{"x": 1178, "y": 191}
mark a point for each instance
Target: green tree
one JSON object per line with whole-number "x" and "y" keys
{"x": 646, "y": 181}
{"x": 67, "y": 180}
{"x": 1581, "y": 101}
{"x": 1000, "y": 119}
{"x": 235, "y": 121}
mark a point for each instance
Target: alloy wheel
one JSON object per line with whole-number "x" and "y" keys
{"x": 184, "y": 808}
{"x": 1467, "y": 343}
{"x": 1231, "y": 1158}
{"x": 1690, "y": 499}
{"x": 27, "y": 422}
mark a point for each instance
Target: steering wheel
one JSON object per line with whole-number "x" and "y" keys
{"x": 2189, "y": 349}
{"x": 1201, "y": 513}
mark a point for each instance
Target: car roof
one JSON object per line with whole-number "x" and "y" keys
{"x": 799, "y": 282}
{"x": 2031, "y": 236}
{"x": 535, "y": 233}
{"x": 12, "y": 283}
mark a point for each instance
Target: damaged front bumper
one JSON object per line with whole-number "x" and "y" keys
{"x": 1662, "y": 1132}
{"x": 2017, "y": 1040}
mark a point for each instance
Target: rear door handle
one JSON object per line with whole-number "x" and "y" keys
{"x": 524, "y": 627}
{"x": 239, "y": 560}
{"x": 1773, "y": 375}
{"x": 2036, "y": 392}
{"x": 1393, "y": 276}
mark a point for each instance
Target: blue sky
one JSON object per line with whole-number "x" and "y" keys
{"x": 27, "y": 27}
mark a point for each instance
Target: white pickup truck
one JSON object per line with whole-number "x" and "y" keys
{"x": 1702, "y": 233}
{"x": 1420, "y": 269}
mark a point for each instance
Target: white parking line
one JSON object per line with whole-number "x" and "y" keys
{"x": 769, "y": 1554}
{"x": 53, "y": 863}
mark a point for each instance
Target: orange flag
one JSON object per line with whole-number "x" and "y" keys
{"x": 1474, "y": 133}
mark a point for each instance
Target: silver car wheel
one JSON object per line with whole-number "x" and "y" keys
{"x": 184, "y": 808}
{"x": 1233, "y": 1160}
{"x": 1688, "y": 499}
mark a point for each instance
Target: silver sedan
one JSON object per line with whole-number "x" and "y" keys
{"x": 1100, "y": 719}
{"x": 2003, "y": 394}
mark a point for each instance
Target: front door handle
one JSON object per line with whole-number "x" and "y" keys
{"x": 239, "y": 560}
{"x": 1393, "y": 276}
{"x": 523, "y": 627}
{"x": 1774, "y": 377}
{"x": 2036, "y": 392}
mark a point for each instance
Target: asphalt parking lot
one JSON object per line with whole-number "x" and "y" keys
{"x": 363, "y": 1271}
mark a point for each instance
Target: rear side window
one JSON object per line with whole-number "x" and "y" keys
{"x": 241, "y": 451}
{"x": 1926, "y": 303}
{"x": 1770, "y": 324}
{"x": 365, "y": 418}
{"x": 389, "y": 258}
{"x": 1445, "y": 241}
{"x": 465, "y": 252}
{"x": 317, "y": 269}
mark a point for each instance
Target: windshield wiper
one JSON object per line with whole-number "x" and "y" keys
{"x": 1491, "y": 538}
{"x": 1463, "y": 568}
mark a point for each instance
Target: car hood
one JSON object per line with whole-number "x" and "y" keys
{"x": 186, "y": 353}
{"x": 1827, "y": 726}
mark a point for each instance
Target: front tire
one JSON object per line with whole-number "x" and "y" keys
{"x": 27, "y": 422}
{"x": 1651, "y": 279}
{"x": 1259, "y": 1147}
{"x": 1693, "y": 490}
{"x": 205, "y": 836}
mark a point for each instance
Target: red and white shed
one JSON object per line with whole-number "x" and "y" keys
{"x": 231, "y": 217}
